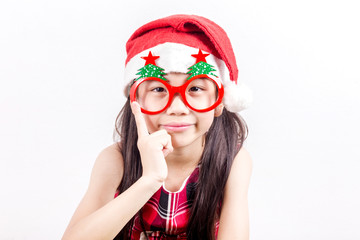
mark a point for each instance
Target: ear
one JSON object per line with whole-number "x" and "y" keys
{"x": 218, "y": 110}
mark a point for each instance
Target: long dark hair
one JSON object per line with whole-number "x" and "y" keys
{"x": 223, "y": 140}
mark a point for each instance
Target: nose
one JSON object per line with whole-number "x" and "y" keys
{"x": 177, "y": 106}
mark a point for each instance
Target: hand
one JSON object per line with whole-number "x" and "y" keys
{"x": 153, "y": 147}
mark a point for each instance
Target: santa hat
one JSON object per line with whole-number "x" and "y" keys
{"x": 174, "y": 39}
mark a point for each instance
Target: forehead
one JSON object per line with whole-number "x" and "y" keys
{"x": 176, "y": 78}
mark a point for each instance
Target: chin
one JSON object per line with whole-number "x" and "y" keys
{"x": 179, "y": 141}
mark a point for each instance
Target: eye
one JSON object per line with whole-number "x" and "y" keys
{"x": 195, "y": 89}
{"x": 158, "y": 89}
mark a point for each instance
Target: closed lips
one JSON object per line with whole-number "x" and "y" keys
{"x": 176, "y": 126}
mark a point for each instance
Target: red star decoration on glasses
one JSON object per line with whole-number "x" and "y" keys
{"x": 150, "y": 59}
{"x": 200, "y": 57}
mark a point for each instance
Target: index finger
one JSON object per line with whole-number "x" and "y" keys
{"x": 139, "y": 119}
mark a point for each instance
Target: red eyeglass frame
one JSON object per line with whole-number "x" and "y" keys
{"x": 180, "y": 89}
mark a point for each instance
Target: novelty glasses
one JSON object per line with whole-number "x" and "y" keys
{"x": 201, "y": 93}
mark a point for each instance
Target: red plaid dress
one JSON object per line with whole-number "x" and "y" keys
{"x": 166, "y": 214}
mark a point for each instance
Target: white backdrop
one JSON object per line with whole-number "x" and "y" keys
{"x": 61, "y": 68}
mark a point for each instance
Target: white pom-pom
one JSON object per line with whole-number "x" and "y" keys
{"x": 237, "y": 97}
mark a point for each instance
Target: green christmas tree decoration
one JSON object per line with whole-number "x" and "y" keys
{"x": 201, "y": 68}
{"x": 151, "y": 70}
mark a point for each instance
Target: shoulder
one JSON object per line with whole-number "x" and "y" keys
{"x": 110, "y": 153}
{"x": 108, "y": 168}
{"x": 241, "y": 170}
{"x": 243, "y": 157}
{"x": 113, "y": 149}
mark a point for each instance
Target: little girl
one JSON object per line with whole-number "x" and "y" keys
{"x": 180, "y": 170}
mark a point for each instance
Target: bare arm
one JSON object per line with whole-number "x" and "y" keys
{"x": 99, "y": 215}
{"x": 234, "y": 219}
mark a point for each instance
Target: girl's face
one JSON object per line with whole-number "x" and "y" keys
{"x": 183, "y": 124}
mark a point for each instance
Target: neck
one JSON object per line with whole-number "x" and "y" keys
{"x": 184, "y": 158}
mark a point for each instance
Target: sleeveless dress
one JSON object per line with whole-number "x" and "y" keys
{"x": 166, "y": 214}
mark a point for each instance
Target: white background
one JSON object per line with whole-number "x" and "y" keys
{"x": 61, "y": 68}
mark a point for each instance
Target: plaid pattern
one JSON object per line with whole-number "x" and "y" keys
{"x": 166, "y": 214}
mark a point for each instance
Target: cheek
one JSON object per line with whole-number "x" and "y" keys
{"x": 151, "y": 122}
{"x": 206, "y": 120}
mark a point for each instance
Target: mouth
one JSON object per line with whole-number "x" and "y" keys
{"x": 176, "y": 127}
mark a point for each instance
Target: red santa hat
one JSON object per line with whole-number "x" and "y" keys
{"x": 174, "y": 39}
